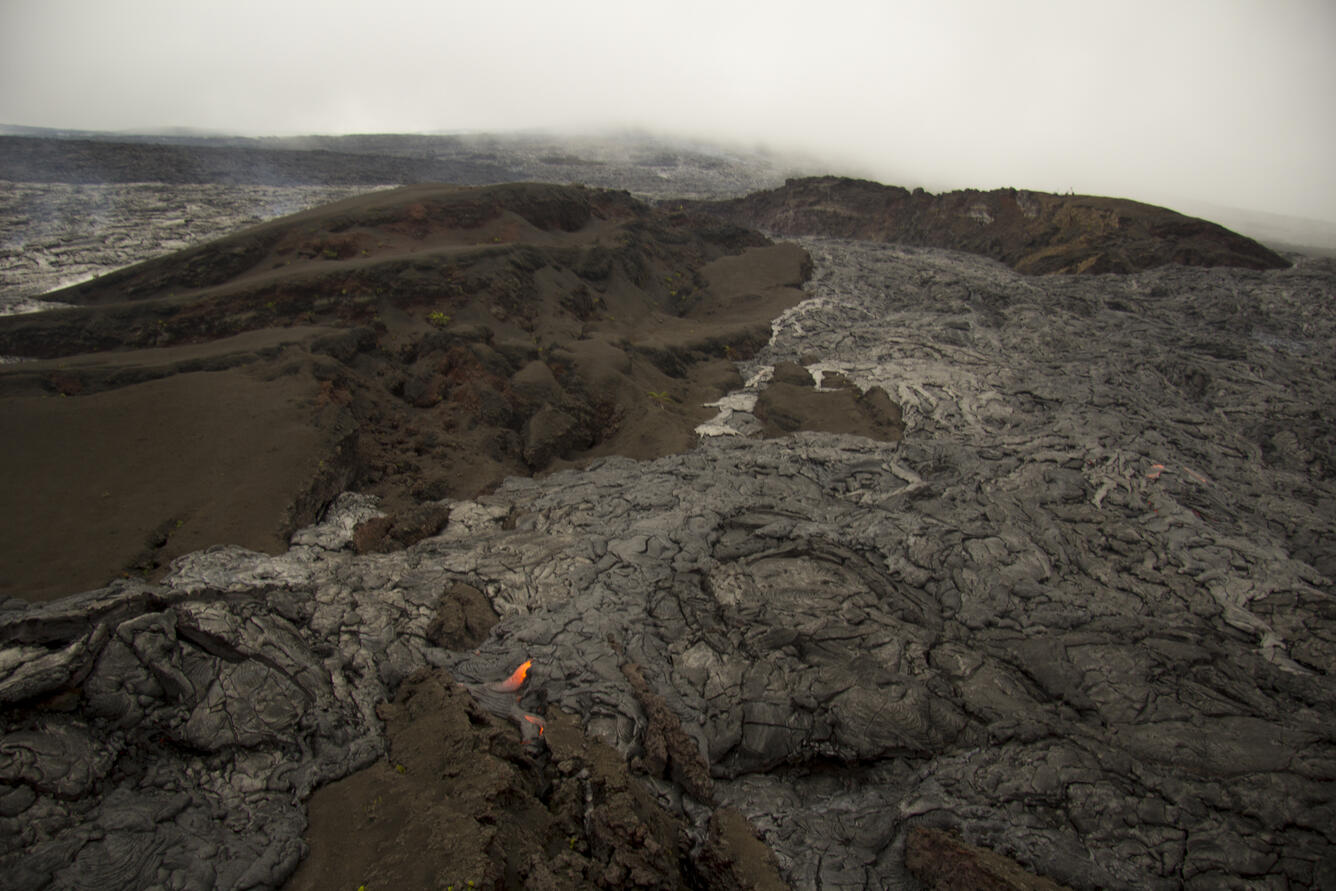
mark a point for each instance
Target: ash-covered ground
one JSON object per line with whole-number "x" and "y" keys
{"x": 1081, "y": 614}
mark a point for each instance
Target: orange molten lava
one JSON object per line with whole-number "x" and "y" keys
{"x": 515, "y": 680}
{"x": 536, "y": 721}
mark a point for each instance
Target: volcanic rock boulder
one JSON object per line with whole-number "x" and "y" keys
{"x": 1033, "y": 232}
{"x": 392, "y": 533}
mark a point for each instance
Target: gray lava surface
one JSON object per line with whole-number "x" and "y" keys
{"x": 1083, "y": 613}
{"x": 58, "y": 234}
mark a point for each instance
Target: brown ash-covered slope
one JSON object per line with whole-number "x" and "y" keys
{"x": 417, "y": 344}
{"x": 1036, "y": 233}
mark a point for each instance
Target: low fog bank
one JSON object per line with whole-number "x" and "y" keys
{"x": 1221, "y": 102}
{"x": 1276, "y": 231}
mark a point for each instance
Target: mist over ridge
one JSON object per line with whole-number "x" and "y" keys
{"x": 1215, "y": 102}
{"x": 652, "y": 164}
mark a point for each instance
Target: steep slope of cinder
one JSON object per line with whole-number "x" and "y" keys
{"x": 1033, "y": 232}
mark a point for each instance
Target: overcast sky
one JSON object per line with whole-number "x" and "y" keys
{"x": 1226, "y": 101}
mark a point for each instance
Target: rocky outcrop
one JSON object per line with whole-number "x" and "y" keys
{"x": 1033, "y": 232}
{"x": 1080, "y": 615}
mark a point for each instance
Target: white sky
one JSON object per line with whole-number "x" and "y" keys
{"x": 1224, "y": 101}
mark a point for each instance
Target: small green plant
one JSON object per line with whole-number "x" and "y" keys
{"x": 399, "y": 768}
{"x": 438, "y": 319}
{"x": 661, "y": 398}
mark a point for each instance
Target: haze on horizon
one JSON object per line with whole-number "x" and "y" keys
{"x": 1226, "y": 102}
